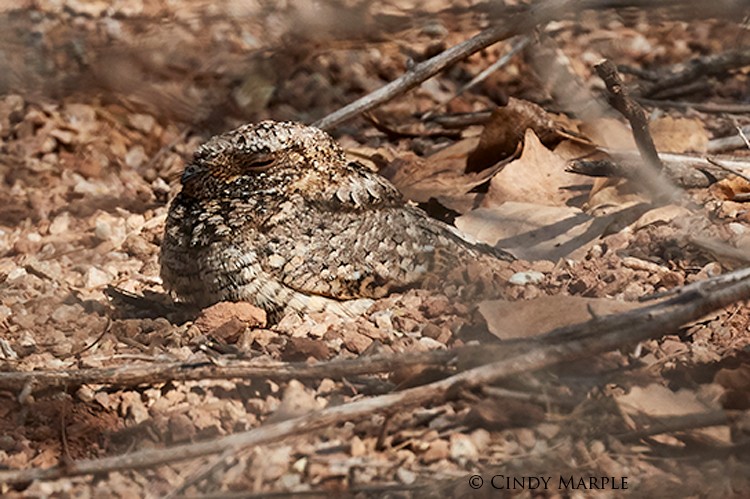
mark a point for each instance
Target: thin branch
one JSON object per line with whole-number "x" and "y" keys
{"x": 703, "y": 107}
{"x": 636, "y": 116}
{"x": 132, "y": 375}
{"x": 711, "y": 65}
{"x": 502, "y": 61}
{"x": 728, "y": 168}
{"x": 651, "y": 176}
{"x": 682, "y": 169}
{"x": 671, "y": 424}
{"x": 741, "y": 132}
{"x": 731, "y": 142}
{"x": 522, "y": 23}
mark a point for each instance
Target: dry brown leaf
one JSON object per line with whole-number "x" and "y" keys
{"x": 502, "y": 413}
{"x": 662, "y": 214}
{"x": 439, "y": 176}
{"x": 532, "y": 231}
{"x": 612, "y": 194}
{"x": 670, "y": 135}
{"x": 679, "y": 135}
{"x": 610, "y": 133}
{"x": 521, "y": 319}
{"x": 538, "y": 176}
{"x": 736, "y": 382}
{"x": 503, "y": 135}
{"x": 373, "y": 158}
{"x": 656, "y": 400}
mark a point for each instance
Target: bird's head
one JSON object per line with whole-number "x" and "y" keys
{"x": 259, "y": 157}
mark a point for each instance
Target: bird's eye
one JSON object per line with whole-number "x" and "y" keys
{"x": 259, "y": 163}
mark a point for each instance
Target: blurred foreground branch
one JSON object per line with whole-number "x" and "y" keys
{"x": 565, "y": 344}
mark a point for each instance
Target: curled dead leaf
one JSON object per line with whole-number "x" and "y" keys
{"x": 503, "y": 135}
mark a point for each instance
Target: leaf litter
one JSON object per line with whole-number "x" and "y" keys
{"x": 90, "y": 156}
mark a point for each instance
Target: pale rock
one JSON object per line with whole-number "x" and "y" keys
{"x": 439, "y": 449}
{"x": 48, "y": 145}
{"x": 16, "y": 273}
{"x": 135, "y": 157}
{"x": 529, "y": 277}
{"x": 135, "y": 221}
{"x": 64, "y": 136}
{"x": 103, "y": 231}
{"x": 548, "y": 430}
{"x": 60, "y": 224}
{"x": 66, "y": 314}
{"x": 480, "y": 438}
{"x": 738, "y": 228}
{"x": 96, "y": 278}
{"x": 6, "y": 351}
{"x": 357, "y": 447}
{"x": 275, "y": 462}
{"x": 85, "y": 394}
{"x": 526, "y": 437}
{"x": 83, "y": 186}
{"x": 5, "y": 312}
{"x": 462, "y": 448}
{"x": 431, "y": 344}
{"x": 405, "y": 476}
{"x": 109, "y": 228}
{"x": 289, "y": 481}
{"x": 27, "y": 340}
{"x": 160, "y": 186}
{"x": 81, "y": 117}
{"x": 143, "y": 122}
{"x": 300, "y": 465}
{"x": 132, "y": 406}
{"x": 597, "y": 448}
{"x": 92, "y": 8}
{"x": 128, "y": 8}
{"x": 382, "y": 319}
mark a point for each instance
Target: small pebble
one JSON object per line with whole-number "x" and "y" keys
{"x": 462, "y": 448}
{"x": 60, "y": 224}
{"x": 528, "y": 277}
{"x": 96, "y": 278}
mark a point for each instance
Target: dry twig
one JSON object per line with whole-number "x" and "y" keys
{"x": 650, "y": 177}
{"x": 621, "y": 100}
{"x": 703, "y": 107}
{"x": 132, "y": 375}
{"x": 710, "y": 65}
{"x": 682, "y": 169}
{"x": 685, "y": 422}
{"x": 540, "y": 13}
{"x": 517, "y": 47}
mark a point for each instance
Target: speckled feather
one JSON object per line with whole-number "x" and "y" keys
{"x": 273, "y": 214}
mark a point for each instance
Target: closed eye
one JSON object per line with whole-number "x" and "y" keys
{"x": 259, "y": 163}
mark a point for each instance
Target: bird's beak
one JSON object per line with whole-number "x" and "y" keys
{"x": 190, "y": 171}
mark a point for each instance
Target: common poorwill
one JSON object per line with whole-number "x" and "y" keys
{"x": 272, "y": 213}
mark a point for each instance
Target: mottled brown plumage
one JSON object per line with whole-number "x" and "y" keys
{"x": 273, "y": 214}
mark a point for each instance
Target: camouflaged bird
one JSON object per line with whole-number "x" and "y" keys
{"x": 273, "y": 214}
